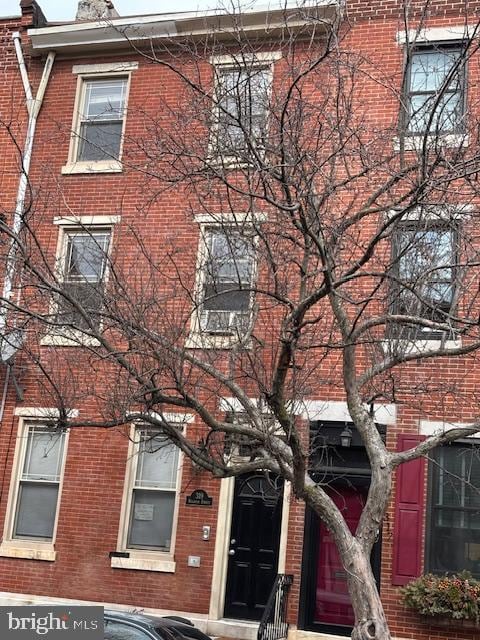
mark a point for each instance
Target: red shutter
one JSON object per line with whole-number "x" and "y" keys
{"x": 409, "y": 509}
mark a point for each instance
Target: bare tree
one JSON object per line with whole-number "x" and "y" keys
{"x": 338, "y": 256}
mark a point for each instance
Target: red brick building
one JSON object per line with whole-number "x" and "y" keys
{"x": 78, "y": 522}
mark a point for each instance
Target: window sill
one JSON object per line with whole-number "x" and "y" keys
{"x": 102, "y": 166}
{"x": 35, "y": 551}
{"x": 230, "y": 163}
{"x": 69, "y": 339}
{"x": 421, "y": 346}
{"x": 162, "y": 565}
{"x": 213, "y": 341}
{"x": 415, "y": 142}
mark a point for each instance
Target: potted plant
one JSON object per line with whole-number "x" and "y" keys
{"x": 448, "y": 599}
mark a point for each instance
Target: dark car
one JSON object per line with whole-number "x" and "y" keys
{"x": 136, "y": 626}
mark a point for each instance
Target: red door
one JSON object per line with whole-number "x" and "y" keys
{"x": 332, "y": 605}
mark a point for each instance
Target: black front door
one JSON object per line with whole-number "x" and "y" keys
{"x": 254, "y": 542}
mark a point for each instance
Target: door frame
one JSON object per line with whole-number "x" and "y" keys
{"x": 222, "y": 543}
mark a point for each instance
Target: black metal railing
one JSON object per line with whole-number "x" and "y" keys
{"x": 274, "y": 625}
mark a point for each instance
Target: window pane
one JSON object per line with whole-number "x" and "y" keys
{"x": 243, "y": 99}
{"x": 448, "y": 111}
{"x": 151, "y": 519}
{"x": 227, "y": 284}
{"x": 36, "y": 509}
{"x": 99, "y": 141}
{"x": 429, "y": 69}
{"x": 105, "y": 99}
{"x": 425, "y": 268}
{"x": 89, "y": 297}
{"x": 235, "y": 300}
{"x": 427, "y": 91}
{"x": 86, "y": 256}
{"x": 120, "y": 631}
{"x": 157, "y": 463}
{"x": 43, "y": 455}
{"x": 230, "y": 258}
{"x": 455, "y": 522}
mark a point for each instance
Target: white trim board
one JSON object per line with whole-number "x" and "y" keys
{"x": 434, "y": 427}
{"x": 337, "y": 411}
{"x": 437, "y": 34}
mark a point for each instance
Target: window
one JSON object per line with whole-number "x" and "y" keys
{"x": 424, "y": 257}
{"x": 242, "y": 96}
{"x": 436, "y": 88}
{"x": 84, "y": 257}
{"x": 115, "y": 630}
{"x": 154, "y": 492}
{"x": 101, "y": 119}
{"x": 454, "y": 522}
{"x": 227, "y": 280}
{"x": 37, "y": 497}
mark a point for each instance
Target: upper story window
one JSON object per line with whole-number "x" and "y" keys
{"x": 227, "y": 277}
{"x": 240, "y": 117}
{"x": 102, "y": 113}
{"x": 436, "y": 91}
{"x": 37, "y": 496}
{"x": 153, "y": 496}
{"x": 83, "y": 269}
{"x": 424, "y": 258}
{"x": 454, "y": 519}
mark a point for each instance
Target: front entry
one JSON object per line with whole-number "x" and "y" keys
{"x": 332, "y": 601}
{"x": 344, "y": 473}
{"x": 254, "y": 545}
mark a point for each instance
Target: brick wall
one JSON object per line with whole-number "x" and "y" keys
{"x": 96, "y": 461}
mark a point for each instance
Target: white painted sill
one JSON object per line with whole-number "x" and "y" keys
{"x": 70, "y": 339}
{"x": 35, "y": 551}
{"x": 415, "y": 143}
{"x": 213, "y": 341}
{"x": 102, "y": 166}
{"x": 162, "y": 565}
{"x": 421, "y": 346}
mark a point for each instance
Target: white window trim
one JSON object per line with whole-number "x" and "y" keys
{"x": 107, "y": 67}
{"x": 420, "y": 345}
{"x": 438, "y": 427}
{"x": 414, "y": 142}
{"x": 435, "y": 213}
{"x": 264, "y": 59}
{"x": 147, "y": 559}
{"x": 62, "y": 336}
{"x": 257, "y": 58}
{"x": 87, "y": 221}
{"x": 197, "y": 338}
{"x": 11, "y": 547}
{"x": 436, "y": 34}
{"x": 92, "y": 72}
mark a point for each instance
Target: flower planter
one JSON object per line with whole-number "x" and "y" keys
{"x": 451, "y": 623}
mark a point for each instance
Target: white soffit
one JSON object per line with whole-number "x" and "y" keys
{"x": 116, "y": 33}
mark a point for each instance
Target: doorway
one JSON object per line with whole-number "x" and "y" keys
{"x": 254, "y": 544}
{"x": 344, "y": 472}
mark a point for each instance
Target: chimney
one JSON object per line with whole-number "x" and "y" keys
{"x": 31, "y": 9}
{"x": 96, "y": 10}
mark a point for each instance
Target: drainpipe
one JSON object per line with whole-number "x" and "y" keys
{"x": 33, "y": 107}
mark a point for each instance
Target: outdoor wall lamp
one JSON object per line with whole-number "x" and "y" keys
{"x": 346, "y": 437}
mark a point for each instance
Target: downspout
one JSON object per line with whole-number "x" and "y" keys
{"x": 33, "y": 107}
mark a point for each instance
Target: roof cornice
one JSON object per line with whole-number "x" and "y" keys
{"x": 118, "y": 33}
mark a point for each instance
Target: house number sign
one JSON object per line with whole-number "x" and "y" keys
{"x": 199, "y": 498}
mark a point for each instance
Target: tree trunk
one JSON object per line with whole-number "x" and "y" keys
{"x": 370, "y": 620}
